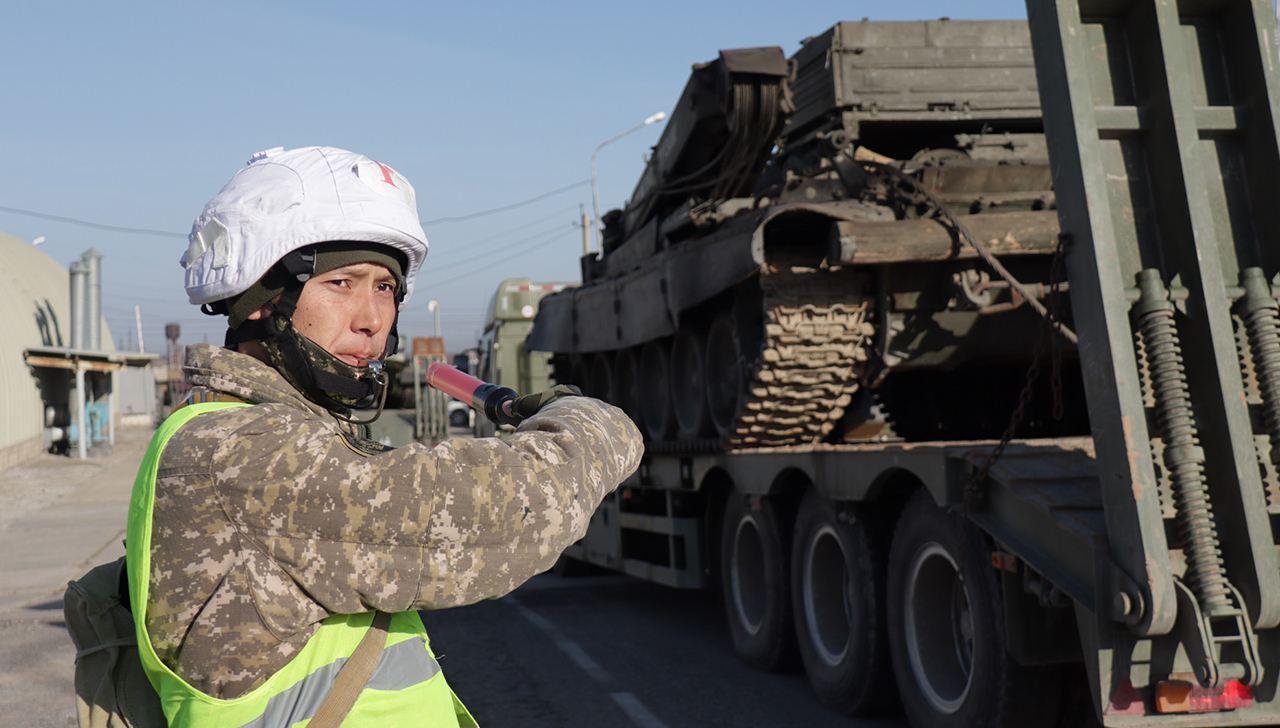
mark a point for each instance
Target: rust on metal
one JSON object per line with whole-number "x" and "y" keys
{"x": 1011, "y": 233}
{"x": 73, "y": 363}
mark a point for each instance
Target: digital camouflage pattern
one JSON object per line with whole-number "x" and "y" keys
{"x": 267, "y": 520}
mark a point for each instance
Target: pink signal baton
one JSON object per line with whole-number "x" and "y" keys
{"x": 491, "y": 399}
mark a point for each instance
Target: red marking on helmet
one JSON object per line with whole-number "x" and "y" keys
{"x": 386, "y": 173}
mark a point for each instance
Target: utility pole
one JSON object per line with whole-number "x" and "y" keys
{"x": 137, "y": 315}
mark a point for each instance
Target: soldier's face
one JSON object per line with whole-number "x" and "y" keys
{"x": 349, "y": 311}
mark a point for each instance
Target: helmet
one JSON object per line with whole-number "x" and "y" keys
{"x": 270, "y": 225}
{"x": 286, "y": 200}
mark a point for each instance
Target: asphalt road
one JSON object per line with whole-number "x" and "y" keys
{"x": 613, "y": 651}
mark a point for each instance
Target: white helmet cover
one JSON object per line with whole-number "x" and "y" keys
{"x": 286, "y": 200}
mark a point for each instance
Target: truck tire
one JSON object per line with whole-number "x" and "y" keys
{"x": 755, "y": 582}
{"x": 838, "y": 593}
{"x": 947, "y": 635}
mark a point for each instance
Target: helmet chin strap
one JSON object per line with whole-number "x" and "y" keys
{"x": 380, "y": 375}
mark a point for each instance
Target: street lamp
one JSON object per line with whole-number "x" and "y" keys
{"x": 595, "y": 192}
{"x": 434, "y": 307}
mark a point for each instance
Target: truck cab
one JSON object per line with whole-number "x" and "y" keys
{"x": 503, "y": 358}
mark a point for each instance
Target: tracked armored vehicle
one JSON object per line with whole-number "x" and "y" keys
{"x": 791, "y": 269}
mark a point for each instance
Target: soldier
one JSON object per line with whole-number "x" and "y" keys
{"x": 264, "y": 539}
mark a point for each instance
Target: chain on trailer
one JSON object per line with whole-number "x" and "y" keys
{"x": 1051, "y": 318}
{"x": 1052, "y": 327}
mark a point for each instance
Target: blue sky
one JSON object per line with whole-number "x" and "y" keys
{"x": 134, "y": 114}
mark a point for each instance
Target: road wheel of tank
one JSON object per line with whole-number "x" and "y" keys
{"x": 600, "y": 378}
{"x": 947, "y": 635}
{"x": 626, "y": 383}
{"x": 687, "y": 380}
{"x": 838, "y": 592}
{"x": 724, "y": 376}
{"x": 655, "y": 389}
{"x": 754, "y": 579}
{"x": 578, "y": 374}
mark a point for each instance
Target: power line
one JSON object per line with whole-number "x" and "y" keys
{"x": 558, "y": 229}
{"x": 96, "y": 225}
{"x": 491, "y": 238}
{"x": 504, "y": 208}
{"x": 555, "y": 236}
{"x": 168, "y": 234}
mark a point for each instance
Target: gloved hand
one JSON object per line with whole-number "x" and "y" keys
{"x": 529, "y": 405}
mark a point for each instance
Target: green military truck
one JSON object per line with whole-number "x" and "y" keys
{"x": 502, "y": 357}
{"x": 853, "y": 256}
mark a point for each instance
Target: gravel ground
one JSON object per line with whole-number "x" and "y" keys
{"x": 59, "y": 516}
{"x": 39, "y": 482}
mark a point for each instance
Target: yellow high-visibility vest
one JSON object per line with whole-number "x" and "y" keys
{"x": 406, "y": 689}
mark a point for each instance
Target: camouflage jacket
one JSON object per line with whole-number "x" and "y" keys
{"x": 268, "y": 519}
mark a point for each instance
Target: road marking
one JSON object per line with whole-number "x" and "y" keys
{"x": 567, "y": 646}
{"x": 539, "y": 621}
{"x": 635, "y": 709}
{"x": 578, "y": 655}
{"x": 629, "y": 703}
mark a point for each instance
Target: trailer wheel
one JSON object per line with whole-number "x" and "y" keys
{"x": 838, "y": 591}
{"x": 754, "y": 580}
{"x": 947, "y": 635}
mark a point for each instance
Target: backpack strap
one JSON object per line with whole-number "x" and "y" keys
{"x": 354, "y": 675}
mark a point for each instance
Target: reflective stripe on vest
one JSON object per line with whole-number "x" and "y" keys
{"x": 402, "y": 666}
{"x": 406, "y": 689}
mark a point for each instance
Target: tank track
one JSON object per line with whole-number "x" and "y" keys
{"x": 818, "y": 332}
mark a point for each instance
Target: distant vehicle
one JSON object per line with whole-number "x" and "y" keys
{"x": 503, "y": 358}
{"x": 467, "y": 360}
{"x": 460, "y": 415}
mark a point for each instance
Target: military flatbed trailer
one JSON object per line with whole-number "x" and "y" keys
{"x": 1127, "y": 575}
{"x": 1044, "y": 536}
{"x": 1041, "y": 507}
